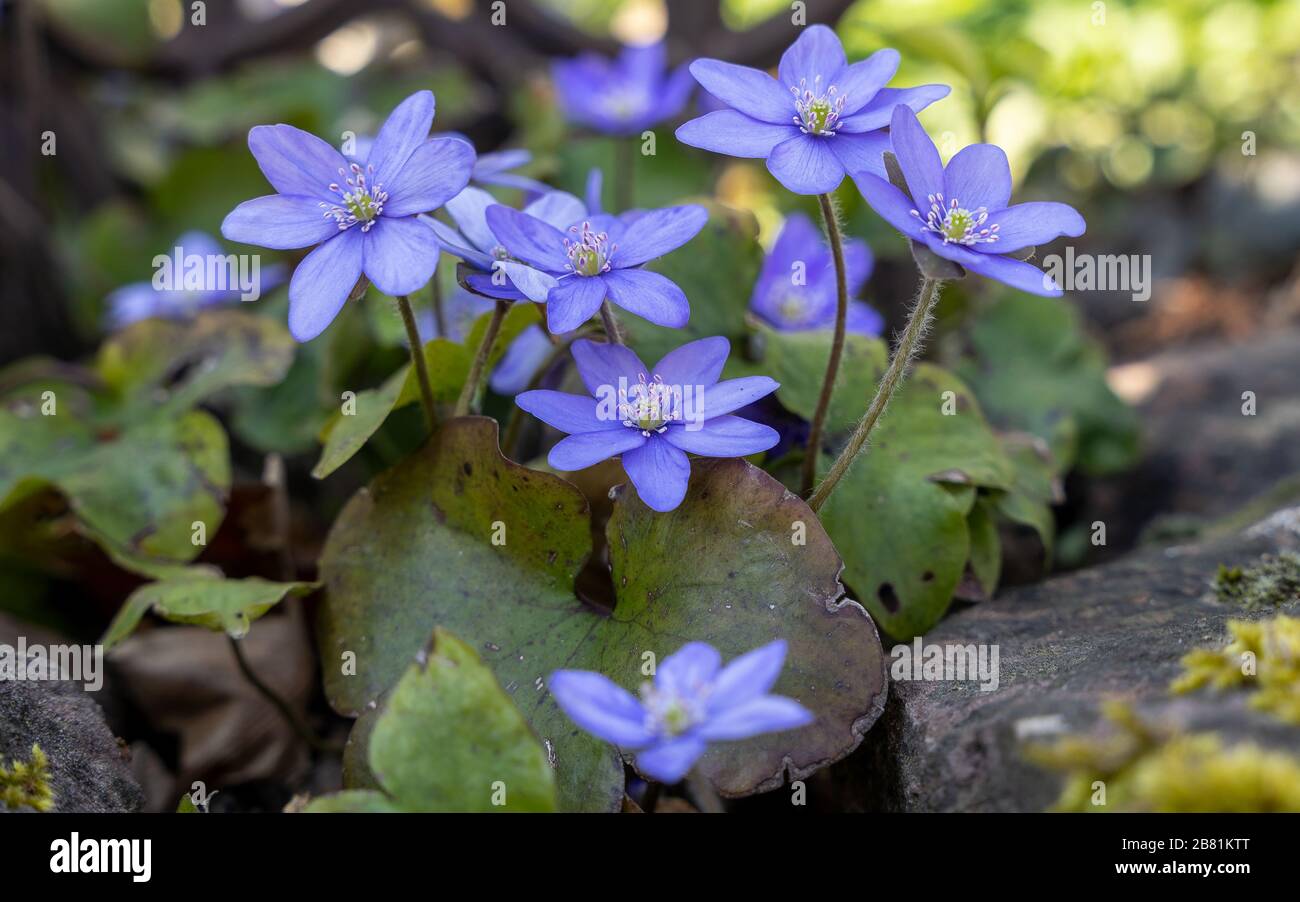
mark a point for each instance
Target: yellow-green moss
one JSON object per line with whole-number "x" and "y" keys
{"x": 1146, "y": 769}
{"x": 1271, "y": 582}
{"x": 1263, "y": 656}
{"x": 26, "y": 784}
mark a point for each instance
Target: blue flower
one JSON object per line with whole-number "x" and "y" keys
{"x": 494, "y": 169}
{"x": 693, "y": 701}
{"x": 574, "y": 269}
{"x": 363, "y": 217}
{"x": 623, "y": 96}
{"x": 961, "y": 213}
{"x": 142, "y": 300}
{"x": 796, "y": 290}
{"x": 653, "y": 417}
{"x": 819, "y": 120}
{"x": 473, "y": 241}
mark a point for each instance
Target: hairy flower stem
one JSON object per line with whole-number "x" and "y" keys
{"x": 470, "y": 391}
{"x": 809, "y": 474}
{"x": 908, "y": 347}
{"x": 417, "y": 359}
{"x": 613, "y": 334}
{"x": 297, "y": 724}
{"x": 439, "y": 317}
{"x": 624, "y": 173}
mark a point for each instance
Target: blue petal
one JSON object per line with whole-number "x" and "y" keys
{"x": 405, "y": 129}
{"x": 531, "y": 283}
{"x": 649, "y": 295}
{"x": 748, "y": 677}
{"x": 494, "y": 285}
{"x": 1032, "y": 224}
{"x": 749, "y": 91}
{"x": 1015, "y": 273}
{"x": 979, "y": 176}
{"x": 601, "y": 365}
{"x": 592, "y": 194}
{"x": 859, "y": 83}
{"x": 322, "y": 282}
{"x": 656, "y": 232}
{"x": 601, "y": 707}
{"x": 734, "y": 394}
{"x": 817, "y": 52}
{"x": 279, "y": 221}
{"x": 490, "y": 164}
{"x": 805, "y": 165}
{"x": 521, "y": 361}
{"x": 400, "y": 254}
{"x": 660, "y": 473}
{"x": 566, "y": 412}
{"x": 134, "y": 302}
{"x": 723, "y": 436}
{"x": 861, "y": 153}
{"x": 890, "y": 204}
{"x": 768, "y": 714}
{"x": 670, "y": 761}
{"x": 688, "y": 671}
{"x": 879, "y": 112}
{"x": 456, "y": 244}
{"x": 577, "y": 452}
{"x": 295, "y": 161}
{"x": 572, "y": 302}
{"x": 917, "y": 157}
{"x": 557, "y": 208}
{"x": 864, "y": 320}
{"x": 468, "y": 210}
{"x": 694, "y": 363}
{"x": 735, "y": 134}
{"x": 527, "y": 238}
{"x": 434, "y": 173}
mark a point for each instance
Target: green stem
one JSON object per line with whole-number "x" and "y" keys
{"x": 809, "y": 474}
{"x": 908, "y": 346}
{"x": 624, "y": 173}
{"x": 613, "y": 334}
{"x": 417, "y": 359}
{"x": 470, "y": 391}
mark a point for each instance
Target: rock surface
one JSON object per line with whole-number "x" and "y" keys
{"x": 1065, "y": 645}
{"x": 90, "y": 771}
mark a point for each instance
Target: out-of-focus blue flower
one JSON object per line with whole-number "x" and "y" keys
{"x": 961, "y": 213}
{"x": 519, "y": 364}
{"x": 363, "y": 217}
{"x": 692, "y": 702}
{"x": 142, "y": 300}
{"x": 653, "y": 417}
{"x": 796, "y": 290}
{"x": 819, "y": 120}
{"x": 459, "y": 310}
{"x": 623, "y": 96}
{"x": 494, "y": 169}
{"x": 473, "y": 241}
{"x": 574, "y": 269}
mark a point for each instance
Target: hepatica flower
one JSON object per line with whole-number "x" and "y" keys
{"x": 818, "y": 120}
{"x": 692, "y": 702}
{"x": 362, "y": 217}
{"x": 624, "y": 96}
{"x": 474, "y": 242}
{"x": 961, "y": 213}
{"x": 573, "y": 269}
{"x": 796, "y": 290}
{"x": 653, "y": 417}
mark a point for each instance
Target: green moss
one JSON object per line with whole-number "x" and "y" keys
{"x": 1147, "y": 769}
{"x": 26, "y": 784}
{"x": 1273, "y": 581}
{"x": 1263, "y": 657}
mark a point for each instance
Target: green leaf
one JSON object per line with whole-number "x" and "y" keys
{"x": 985, "y": 550}
{"x": 140, "y": 490}
{"x": 159, "y": 367}
{"x": 228, "y": 605}
{"x": 416, "y": 549}
{"x": 717, "y": 270}
{"x": 449, "y": 739}
{"x": 353, "y": 801}
{"x": 1036, "y": 371}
